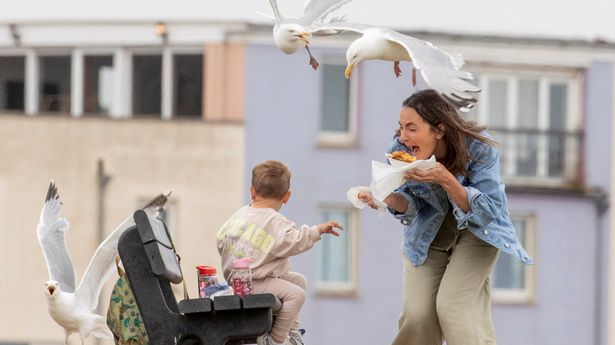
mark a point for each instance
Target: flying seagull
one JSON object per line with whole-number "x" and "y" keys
{"x": 290, "y": 35}
{"x": 439, "y": 69}
{"x": 70, "y": 307}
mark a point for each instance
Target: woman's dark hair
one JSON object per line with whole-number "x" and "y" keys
{"x": 441, "y": 115}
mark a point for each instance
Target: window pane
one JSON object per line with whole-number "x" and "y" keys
{"x": 557, "y": 120}
{"x": 188, "y": 85}
{"x": 509, "y": 271}
{"x": 497, "y": 103}
{"x": 55, "y": 76}
{"x": 146, "y": 85}
{"x": 98, "y": 84}
{"x": 335, "y": 92}
{"x": 527, "y": 142}
{"x": 12, "y": 71}
{"x": 333, "y": 252}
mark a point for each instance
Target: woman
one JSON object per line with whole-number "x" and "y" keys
{"x": 455, "y": 221}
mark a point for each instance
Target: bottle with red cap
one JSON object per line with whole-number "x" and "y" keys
{"x": 206, "y": 277}
{"x": 241, "y": 278}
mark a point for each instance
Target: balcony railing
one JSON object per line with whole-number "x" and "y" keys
{"x": 547, "y": 158}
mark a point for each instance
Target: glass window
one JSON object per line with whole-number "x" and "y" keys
{"x": 55, "y": 84}
{"x": 98, "y": 84}
{"x": 337, "y": 113}
{"x": 334, "y": 95}
{"x": 511, "y": 279}
{"x": 12, "y": 75}
{"x": 188, "y": 85}
{"x": 529, "y": 115}
{"x": 146, "y": 85}
{"x": 335, "y": 255}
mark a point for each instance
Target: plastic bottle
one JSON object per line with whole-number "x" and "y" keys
{"x": 241, "y": 278}
{"x": 206, "y": 277}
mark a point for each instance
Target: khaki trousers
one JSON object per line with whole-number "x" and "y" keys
{"x": 448, "y": 297}
{"x": 290, "y": 289}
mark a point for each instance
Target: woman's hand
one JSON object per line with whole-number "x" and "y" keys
{"x": 368, "y": 199}
{"x": 438, "y": 175}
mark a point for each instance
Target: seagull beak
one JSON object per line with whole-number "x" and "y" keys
{"x": 305, "y": 37}
{"x": 51, "y": 290}
{"x": 348, "y": 70}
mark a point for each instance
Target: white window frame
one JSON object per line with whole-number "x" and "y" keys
{"x": 526, "y": 295}
{"x": 342, "y": 139}
{"x": 572, "y": 78}
{"x": 350, "y": 288}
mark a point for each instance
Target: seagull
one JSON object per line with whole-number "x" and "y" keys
{"x": 290, "y": 35}
{"x": 438, "y": 68}
{"x": 70, "y": 307}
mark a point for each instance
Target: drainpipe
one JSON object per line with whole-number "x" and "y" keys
{"x": 102, "y": 179}
{"x": 601, "y": 201}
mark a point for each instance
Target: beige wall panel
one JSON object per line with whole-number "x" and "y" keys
{"x": 225, "y": 82}
{"x": 201, "y": 162}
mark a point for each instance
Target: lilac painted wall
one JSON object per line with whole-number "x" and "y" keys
{"x": 282, "y": 112}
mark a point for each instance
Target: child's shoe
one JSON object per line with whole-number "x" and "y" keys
{"x": 295, "y": 338}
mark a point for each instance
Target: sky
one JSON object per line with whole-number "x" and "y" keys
{"x": 586, "y": 20}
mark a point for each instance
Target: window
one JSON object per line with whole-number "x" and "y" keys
{"x": 336, "y": 256}
{"x": 98, "y": 84}
{"x": 337, "y": 110}
{"x": 12, "y": 75}
{"x": 536, "y": 118}
{"x": 513, "y": 281}
{"x": 55, "y": 84}
{"x": 146, "y": 85}
{"x": 188, "y": 85}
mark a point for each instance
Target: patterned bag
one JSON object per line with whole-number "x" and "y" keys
{"x": 123, "y": 316}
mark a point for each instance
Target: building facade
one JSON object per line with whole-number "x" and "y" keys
{"x": 193, "y": 106}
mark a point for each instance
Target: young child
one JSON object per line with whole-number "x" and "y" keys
{"x": 260, "y": 232}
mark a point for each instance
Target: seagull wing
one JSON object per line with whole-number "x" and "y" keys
{"x": 102, "y": 264}
{"x": 50, "y": 232}
{"x": 337, "y": 27}
{"x": 440, "y": 70}
{"x": 276, "y": 11}
{"x": 317, "y": 10}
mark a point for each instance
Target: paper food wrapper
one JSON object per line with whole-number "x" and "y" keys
{"x": 386, "y": 178}
{"x": 353, "y": 197}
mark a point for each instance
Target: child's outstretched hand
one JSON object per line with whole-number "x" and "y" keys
{"x": 327, "y": 228}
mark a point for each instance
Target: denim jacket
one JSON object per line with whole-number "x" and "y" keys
{"x": 488, "y": 217}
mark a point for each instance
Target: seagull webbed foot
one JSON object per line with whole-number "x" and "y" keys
{"x": 313, "y": 61}
{"x": 396, "y": 69}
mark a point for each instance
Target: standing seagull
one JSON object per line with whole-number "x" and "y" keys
{"x": 291, "y": 34}
{"x": 73, "y": 308}
{"x": 440, "y": 70}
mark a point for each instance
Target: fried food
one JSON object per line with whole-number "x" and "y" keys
{"x": 402, "y": 156}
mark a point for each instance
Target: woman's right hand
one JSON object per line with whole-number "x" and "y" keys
{"x": 368, "y": 199}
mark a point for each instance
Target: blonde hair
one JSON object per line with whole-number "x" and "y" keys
{"x": 271, "y": 179}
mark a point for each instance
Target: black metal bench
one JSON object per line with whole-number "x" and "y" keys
{"x": 151, "y": 265}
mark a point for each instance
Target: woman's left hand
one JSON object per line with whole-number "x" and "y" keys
{"x": 438, "y": 175}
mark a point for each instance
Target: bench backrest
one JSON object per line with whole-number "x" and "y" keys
{"x": 158, "y": 246}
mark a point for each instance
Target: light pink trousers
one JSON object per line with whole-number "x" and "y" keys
{"x": 290, "y": 289}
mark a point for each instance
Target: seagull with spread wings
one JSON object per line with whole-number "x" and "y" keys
{"x": 292, "y": 34}
{"x": 440, "y": 70}
{"x": 73, "y": 307}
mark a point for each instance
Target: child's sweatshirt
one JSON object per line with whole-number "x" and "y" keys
{"x": 266, "y": 236}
